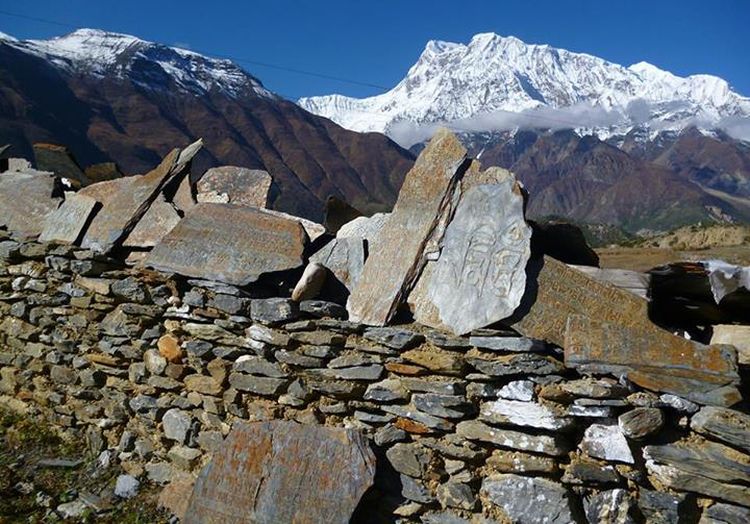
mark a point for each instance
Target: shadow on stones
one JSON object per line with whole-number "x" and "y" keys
{"x": 380, "y": 501}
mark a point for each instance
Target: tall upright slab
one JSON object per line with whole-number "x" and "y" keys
{"x": 279, "y": 471}
{"x": 424, "y": 200}
{"x": 479, "y": 277}
{"x": 231, "y": 244}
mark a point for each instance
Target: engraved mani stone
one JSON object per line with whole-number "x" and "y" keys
{"x": 560, "y": 291}
{"x": 424, "y": 200}
{"x": 241, "y": 186}
{"x": 65, "y": 224}
{"x": 480, "y": 275}
{"x": 230, "y": 244}
{"x": 159, "y": 220}
{"x": 281, "y": 471}
{"x": 27, "y": 198}
{"x": 654, "y": 359}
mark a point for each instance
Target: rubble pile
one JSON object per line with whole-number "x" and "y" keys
{"x": 432, "y": 365}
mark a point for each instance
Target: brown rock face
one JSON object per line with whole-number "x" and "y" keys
{"x": 28, "y": 197}
{"x": 232, "y": 244}
{"x": 283, "y": 472}
{"x": 66, "y": 224}
{"x": 424, "y": 201}
{"x": 58, "y": 160}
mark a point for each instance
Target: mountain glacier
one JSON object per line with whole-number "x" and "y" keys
{"x": 497, "y": 83}
{"x": 93, "y": 52}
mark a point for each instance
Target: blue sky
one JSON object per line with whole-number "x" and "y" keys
{"x": 376, "y": 42}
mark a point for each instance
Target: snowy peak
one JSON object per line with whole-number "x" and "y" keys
{"x": 496, "y": 83}
{"x": 150, "y": 65}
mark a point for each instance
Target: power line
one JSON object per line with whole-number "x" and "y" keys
{"x": 228, "y": 57}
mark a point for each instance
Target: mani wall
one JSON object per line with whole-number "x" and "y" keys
{"x": 154, "y": 370}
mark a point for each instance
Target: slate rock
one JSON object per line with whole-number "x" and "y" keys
{"x": 659, "y": 507}
{"x": 392, "y": 269}
{"x": 395, "y": 338}
{"x": 160, "y": 218}
{"x": 283, "y": 472}
{"x": 614, "y": 507}
{"x": 641, "y": 422}
{"x": 519, "y": 499}
{"x": 528, "y": 414}
{"x": 126, "y": 486}
{"x": 721, "y": 513}
{"x": 607, "y": 442}
{"x": 344, "y": 258}
{"x": 235, "y": 185}
{"x": 66, "y": 224}
{"x": 272, "y": 311}
{"x": 409, "y": 459}
{"x": 230, "y": 244}
{"x": 29, "y": 196}
{"x": 727, "y": 425}
{"x": 505, "y": 438}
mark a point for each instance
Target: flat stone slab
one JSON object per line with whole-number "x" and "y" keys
{"x": 280, "y": 471}
{"x": 230, "y": 244}
{"x": 727, "y": 425}
{"x": 560, "y": 291}
{"x": 425, "y": 198}
{"x": 27, "y": 198}
{"x": 159, "y": 220}
{"x": 66, "y": 224}
{"x": 529, "y": 499}
{"x": 654, "y": 359}
{"x": 235, "y": 185}
{"x": 345, "y": 258}
{"x": 479, "y": 277}
{"x": 121, "y": 212}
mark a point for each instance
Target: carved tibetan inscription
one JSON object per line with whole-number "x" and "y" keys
{"x": 278, "y": 471}
{"x": 231, "y": 244}
{"x": 480, "y": 276}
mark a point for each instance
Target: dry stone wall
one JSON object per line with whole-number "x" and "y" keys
{"x": 153, "y": 370}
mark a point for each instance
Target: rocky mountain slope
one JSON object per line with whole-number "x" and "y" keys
{"x": 497, "y": 83}
{"x": 112, "y": 96}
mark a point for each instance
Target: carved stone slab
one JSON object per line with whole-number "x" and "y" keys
{"x": 425, "y": 198}
{"x": 124, "y": 208}
{"x": 66, "y": 224}
{"x": 654, "y": 359}
{"x": 557, "y": 291}
{"x": 28, "y": 196}
{"x": 279, "y": 471}
{"x": 159, "y": 220}
{"x": 242, "y": 186}
{"x": 231, "y": 244}
{"x": 479, "y": 277}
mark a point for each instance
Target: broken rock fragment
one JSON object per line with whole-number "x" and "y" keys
{"x": 231, "y": 244}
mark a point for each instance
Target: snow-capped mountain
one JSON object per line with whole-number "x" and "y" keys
{"x": 148, "y": 64}
{"x": 497, "y": 83}
{"x": 115, "y": 97}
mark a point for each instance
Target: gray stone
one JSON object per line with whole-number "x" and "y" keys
{"x": 641, "y": 422}
{"x": 184, "y": 457}
{"x": 395, "y": 338}
{"x": 526, "y": 414}
{"x": 412, "y": 413}
{"x": 527, "y": 500}
{"x": 273, "y": 311}
{"x": 513, "y": 364}
{"x": 130, "y": 289}
{"x": 65, "y": 224}
{"x": 612, "y": 507}
{"x": 409, "y": 459}
{"x": 176, "y": 424}
{"x": 607, "y": 442}
{"x": 720, "y": 513}
{"x": 258, "y": 366}
{"x": 585, "y": 471}
{"x": 479, "y": 277}
{"x": 72, "y": 510}
{"x": 371, "y": 372}
{"x": 659, "y": 507}
{"x": 424, "y": 199}
{"x": 505, "y": 438}
{"x": 322, "y": 309}
{"x": 235, "y": 185}
{"x": 517, "y": 344}
{"x": 231, "y": 244}
{"x": 723, "y": 424}
{"x": 456, "y": 495}
{"x": 389, "y": 434}
{"x": 415, "y": 490}
{"x": 388, "y": 390}
{"x": 518, "y": 390}
{"x": 365, "y": 228}
{"x": 344, "y": 258}
{"x": 258, "y": 385}
{"x": 126, "y": 486}
{"x": 283, "y": 472}
{"x": 29, "y": 196}
{"x": 444, "y": 406}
